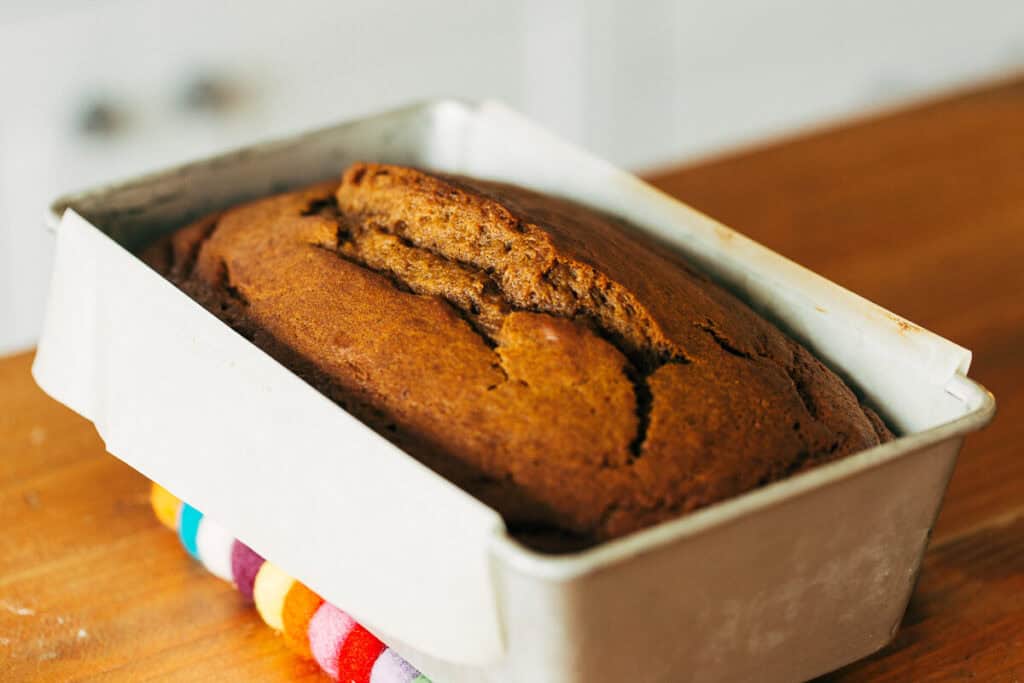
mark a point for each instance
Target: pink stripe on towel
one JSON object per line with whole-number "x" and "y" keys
{"x": 328, "y": 630}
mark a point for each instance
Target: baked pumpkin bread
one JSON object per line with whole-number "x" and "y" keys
{"x": 540, "y": 355}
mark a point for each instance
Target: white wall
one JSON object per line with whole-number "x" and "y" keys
{"x": 643, "y": 83}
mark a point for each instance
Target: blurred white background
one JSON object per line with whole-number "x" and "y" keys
{"x": 94, "y": 91}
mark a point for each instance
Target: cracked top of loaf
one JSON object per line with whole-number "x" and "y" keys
{"x": 537, "y": 353}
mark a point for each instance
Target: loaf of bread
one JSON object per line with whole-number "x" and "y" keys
{"x": 539, "y": 354}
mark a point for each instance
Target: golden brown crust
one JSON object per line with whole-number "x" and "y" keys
{"x": 531, "y": 350}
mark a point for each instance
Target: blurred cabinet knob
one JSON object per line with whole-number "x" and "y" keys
{"x": 99, "y": 117}
{"x": 208, "y": 93}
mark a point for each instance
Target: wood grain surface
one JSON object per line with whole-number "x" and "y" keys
{"x": 921, "y": 211}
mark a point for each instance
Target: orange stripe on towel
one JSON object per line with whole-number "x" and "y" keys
{"x": 299, "y": 605}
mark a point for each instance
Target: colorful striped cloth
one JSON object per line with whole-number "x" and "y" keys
{"x": 311, "y": 627}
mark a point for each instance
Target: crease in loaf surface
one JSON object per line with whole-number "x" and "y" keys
{"x": 535, "y": 352}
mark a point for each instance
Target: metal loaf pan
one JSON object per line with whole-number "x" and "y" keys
{"x": 783, "y": 583}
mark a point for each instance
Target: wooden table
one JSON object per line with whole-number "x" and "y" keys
{"x": 921, "y": 211}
